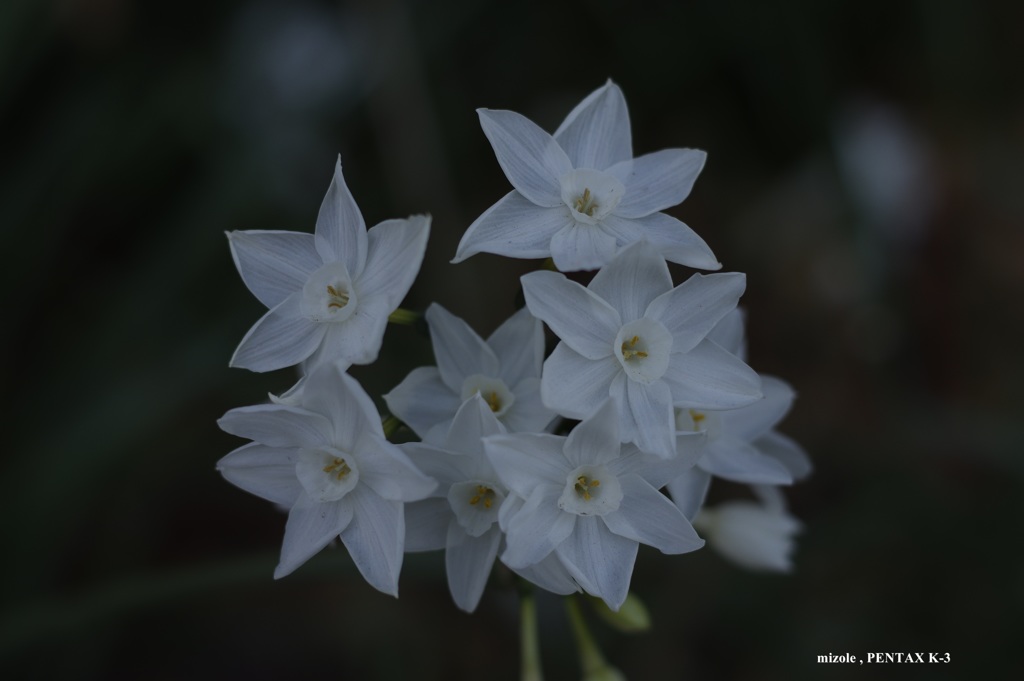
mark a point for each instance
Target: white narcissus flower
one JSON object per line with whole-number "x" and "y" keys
{"x": 632, "y": 336}
{"x": 505, "y": 369}
{"x": 329, "y": 293}
{"x": 588, "y": 501}
{"x": 329, "y": 463}
{"x": 756, "y": 536}
{"x": 580, "y": 195}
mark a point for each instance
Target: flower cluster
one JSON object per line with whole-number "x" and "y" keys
{"x": 555, "y": 466}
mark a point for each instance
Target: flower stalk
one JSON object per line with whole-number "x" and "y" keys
{"x": 529, "y": 639}
{"x": 595, "y": 667}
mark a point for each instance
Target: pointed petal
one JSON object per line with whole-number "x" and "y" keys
{"x": 596, "y": 133}
{"x": 750, "y": 423}
{"x": 531, "y": 158}
{"x": 647, "y": 516}
{"x": 708, "y": 377}
{"x": 528, "y": 413}
{"x": 650, "y": 408}
{"x": 575, "y": 386}
{"x": 267, "y": 472}
{"x": 426, "y": 524}
{"x": 519, "y": 346}
{"x": 689, "y": 491}
{"x": 656, "y": 470}
{"x": 514, "y": 227}
{"x": 657, "y": 181}
{"x": 583, "y": 321}
{"x": 551, "y": 575}
{"x": 632, "y": 280}
{"x": 311, "y": 526}
{"x": 525, "y": 461}
{"x": 389, "y": 472}
{"x": 581, "y": 247}
{"x": 730, "y": 333}
{"x": 460, "y": 353}
{"x": 340, "y": 229}
{"x": 733, "y": 459}
{"x": 422, "y": 400}
{"x": 278, "y": 425}
{"x": 273, "y": 264}
{"x": 600, "y": 560}
{"x": 468, "y": 561}
{"x": 595, "y": 441}
{"x": 691, "y": 310}
{"x": 375, "y": 539}
{"x": 444, "y": 465}
{"x": 473, "y": 422}
{"x": 674, "y": 240}
{"x": 281, "y": 338}
{"x": 393, "y": 260}
{"x": 339, "y": 397}
{"x": 536, "y": 529}
{"x": 356, "y": 340}
{"x": 787, "y": 452}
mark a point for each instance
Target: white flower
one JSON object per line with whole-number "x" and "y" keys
{"x": 757, "y": 536}
{"x": 631, "y": 336}
{"x": 580, "y": 195}
{"x": 589, "y": 501}
{"x": 741, "y": 443}
{"x": 329, "y": 293}
{"x": 461, "y": 515}
{"x": 328, "y": 461}
{"x": 505, "y": 370}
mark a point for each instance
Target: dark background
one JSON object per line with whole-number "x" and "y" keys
{"x": 865, "y": 170}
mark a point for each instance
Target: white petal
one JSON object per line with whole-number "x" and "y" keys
{"x": 691, "y": 310}
{"x": 375, "y": 539}
{"x": 657, "y": 181}
{"x": 528, "y": 413}
{"x": 281, "y": 338}
{"x": 356, "y": 340}
{"x": 525, "y": 461}
{"x": 340, "y": 229}
{"x": 575, "y": 386}
{"x": 473, "y": 422}
{"x": 310, "y": 527}
{"x": 730, "y": 333}
{"x": 531, "y": 158}
{"x": 581, "y": 247}
{"x": 460, "y": 353}
{"x": 733, "y": 459}
{"x": 596, "y": 133}
{"x": 585, "y": 322}
{"x": 422, "y": 400}
{"x": 267, "y": 472}
{"x": 468, "y": 561}
{"x": 388, "y": 472}
{"x": 675, "y": 240}
{"x": 519, "y": 346}
{"x": 689, "y": 491}
{"x": 277, "y": 425}
{"x": 601, "y": 561}
{"x": 750, "y": 535}
{"x": 787, "y": 452}
{"x": 514, "y": 227}
{"x": 656, "y": 470}
{"x": 443, "y": 465}
{"x": 650, "y": 406}
{"x": 632, "y": 280}
{"x": 708, "y": 377}
{"x": 750, "y": 423}
{"x": 551, "y": 575}
{"x": 426, "y": 524}
{"x": 339, "y": 397}
{"x": 536, "y": 529}
{"x": 595, "y": 441}
{"x": 647, "y": 516}
{"x": 393, "y": 260}
{"x": 273, "y": 264}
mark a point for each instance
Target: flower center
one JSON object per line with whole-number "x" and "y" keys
{"x": 590, "y": 195}
{"x": 693, "y": 420}
{"x": 629, "y": 350}
{"x": 586, "y": 203}
{"x": 643, "y": 347}
{"x": 475, "y": 504}
{"x": 338, "y": 297}
{"x": 328, "y": 295}
{"x": 494, "y": 391}
{"x": 326, "y": 474}
{"x": 590, "y": 490}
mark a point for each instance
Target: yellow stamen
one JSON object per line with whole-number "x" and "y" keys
{"x": 338, "y": 467}
{"x": 339, "y": 297}
{"x": 583, "y": 486}
{"x": 585, "y": 204}
{"x": 493, "y": 401}
{"x": 628, "y": 353}
{"x": 485, "y": 493}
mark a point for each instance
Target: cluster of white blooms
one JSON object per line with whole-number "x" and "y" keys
{"x": 653, "y": 372}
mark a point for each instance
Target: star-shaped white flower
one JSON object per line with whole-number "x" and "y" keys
{"x": 505, "y": 369}
{"x": 329, "y": 293}
{"x": 589, "y": 501}
{"x": 580, "y": 195}
{"x": 632, "y": 336}
{"x": 329, "y": 463}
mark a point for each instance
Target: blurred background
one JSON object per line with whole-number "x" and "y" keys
{"x": 865, "y": 170}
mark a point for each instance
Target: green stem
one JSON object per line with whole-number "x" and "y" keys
{"x": 595, "y": 668}
{"x": 390, "y": 424}
{"x": 529, "y": 640}
{"x": 403, "y": 316}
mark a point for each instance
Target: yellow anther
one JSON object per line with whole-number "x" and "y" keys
{"x": 338, "y": 467}
{"x": 583, "y": 486}
{"x": 482, "y": 493}
{"x": 339, "y": 297}
{"x": 585, "y": 204}
{"x": 697, "y": 417}
{"x": 627, "y": 349}
{"x": 493, "y": 401}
